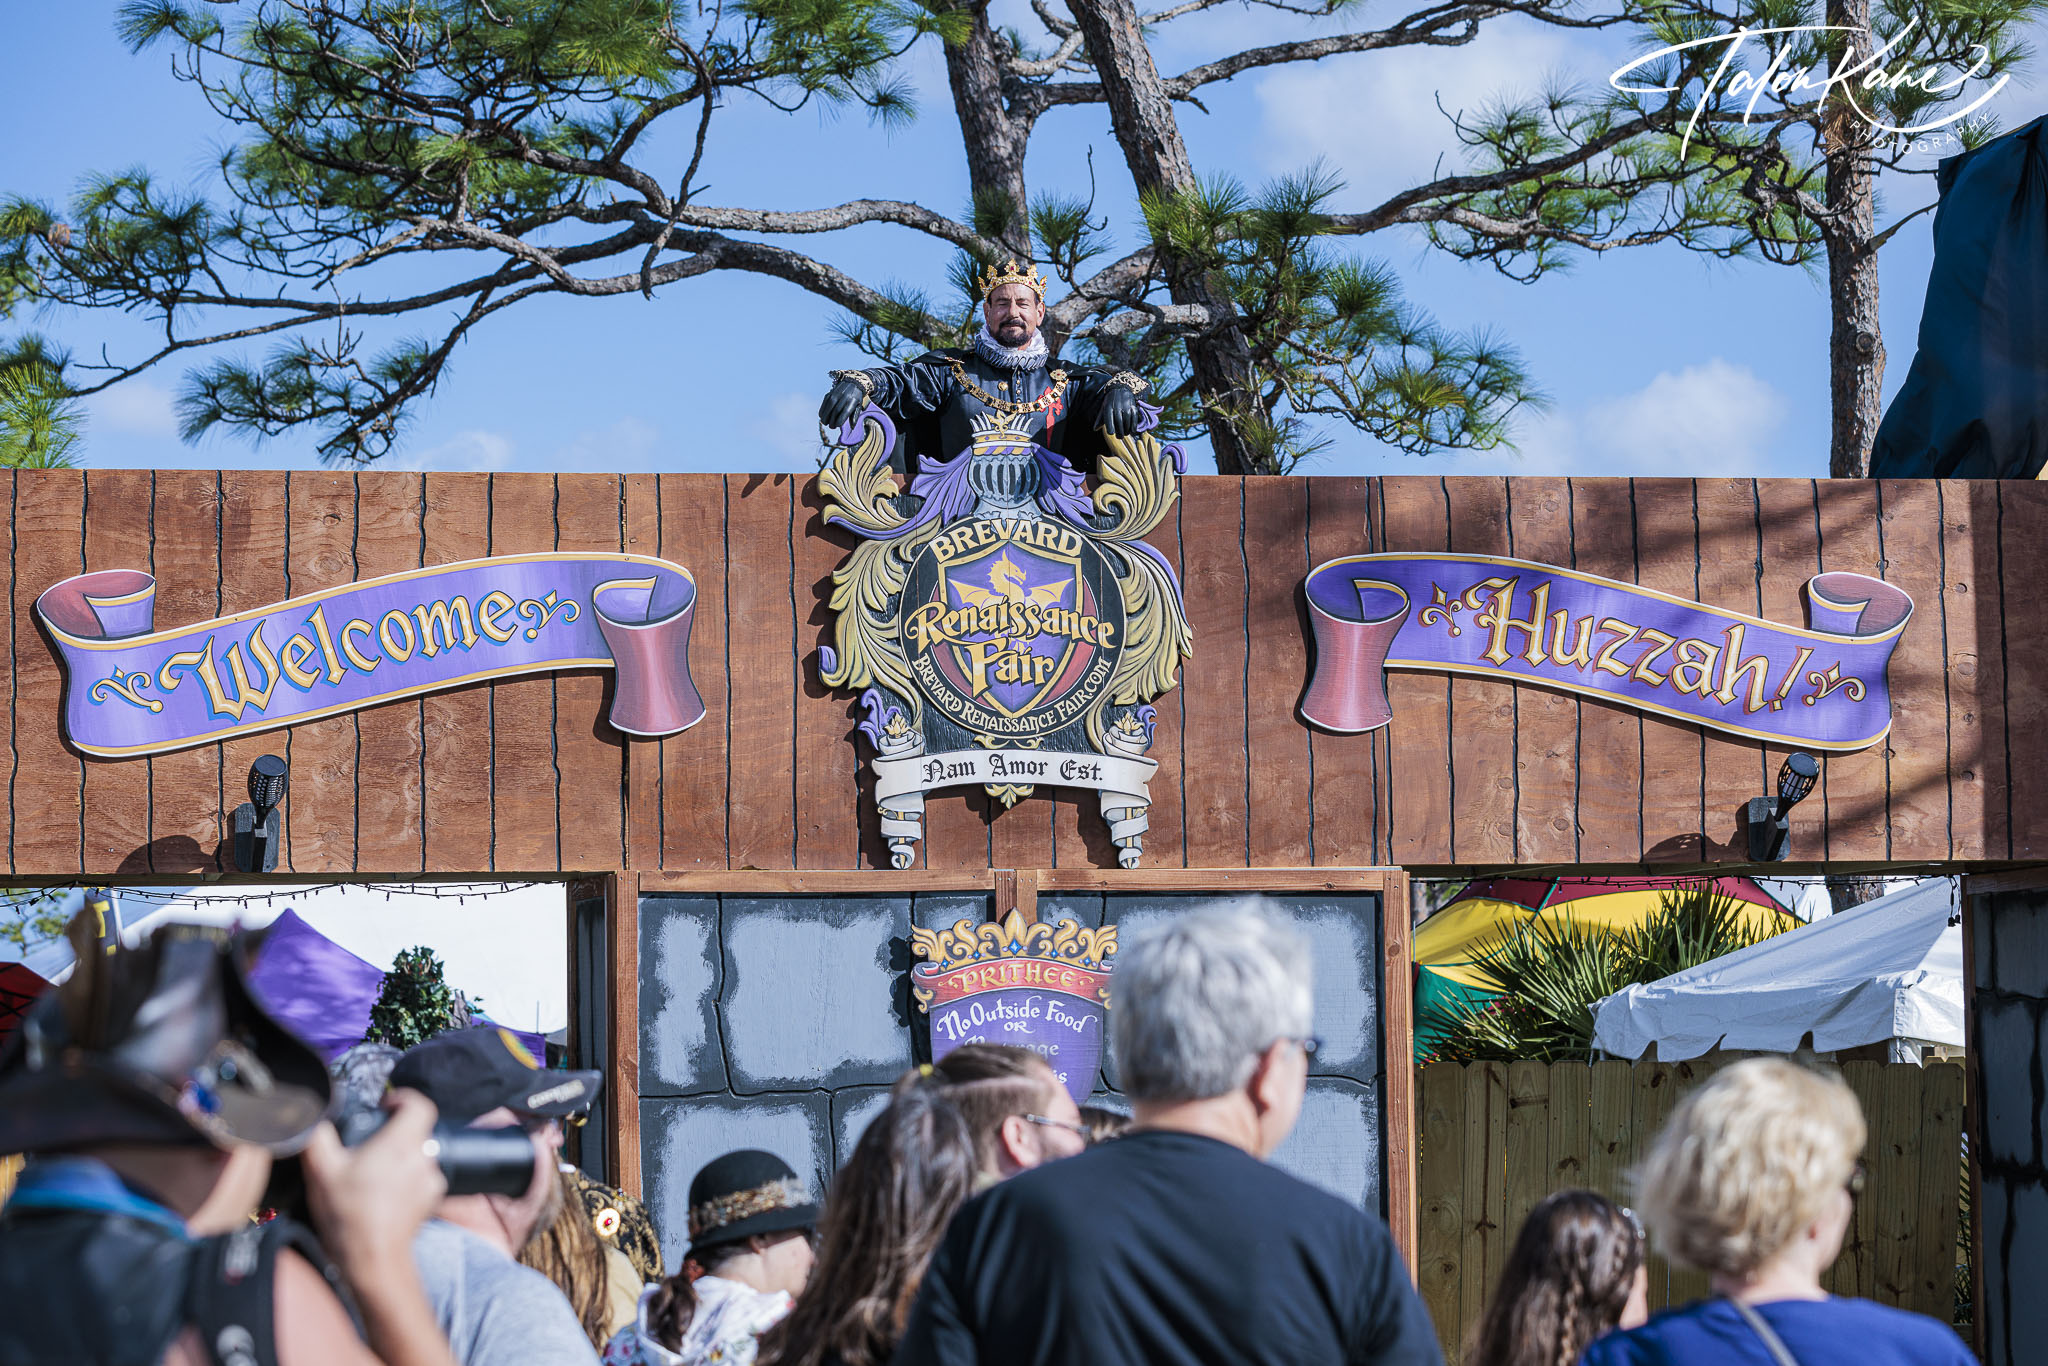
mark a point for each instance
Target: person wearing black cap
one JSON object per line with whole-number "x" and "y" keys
{"x": 152, "y": 1092}
{"x": 750, "y": 1254}
{"x": 493, "y": 1309}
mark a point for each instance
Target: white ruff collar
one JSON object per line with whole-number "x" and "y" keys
{"x": 1030, "y": 356}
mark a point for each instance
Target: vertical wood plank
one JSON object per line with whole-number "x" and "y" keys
{"x": 1859, "y": 1254}
{"x": 1941, "y": 1181}
{"x": 186, "y": 821}
{"x": 390, "y": 802}
{"x": 1672, "y": 755}
{"x": 1484, "y": 1242}
{"x": 1893, "y": 1187}
{"x": 1609, "y": 1129}
{"x": 120, "y": 534}
{"x": 827, "y": 793}
{"x": 253, "y": 552}
{"x": 1214, "y": 690}
{"x": 1482, "y": 734}
{"x": 7, "y": 481}
{"x": 1790, "y": 551}
{"x": 1440, "y": 1205}
{"x": 1649, "y": 1102}
{"x": 1344, "y": 805}
{"x": 1546, "y": 721}
{"x": 1729, "y": 552}
{"x": 2023, "y": 550}
{"x": 590, "y": 755}
{"x": 46, "y": 794}
{"x": 524, "y": 776}
{"x": 763, "y": 641}
{"x": 695, "y": 766}
{"x": 1022, "y": 837}
{"x": 456, "y": 811}
{"x": 643, "y": 757}
{"x": 1397, "y": 1058}
{"x": 1080, "y": 836}
{"x": 1609, "y": 771}
{"x": 1972, "y": 606}
{"x": 622, "y": 1032}
{"x": 1917, "y": 748}
{"x": 1526, "y": 1166}
{"x": 1571, "y": 1118}
{"x": 320, "y": 831}
{"x": 1276, "y": 627}
{"x": 1414, "y": 517}
{"x": 1853, "y": 786}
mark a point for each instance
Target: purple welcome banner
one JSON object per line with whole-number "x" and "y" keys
{"x": 1823, "y": 686}
{"x": 132, "y": 690}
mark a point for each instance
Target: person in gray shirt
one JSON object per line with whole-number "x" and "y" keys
{"x": 494, "y": 1311}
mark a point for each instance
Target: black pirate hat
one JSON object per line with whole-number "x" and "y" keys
{"x": 743, "y": 1194}
{"x": 160, "y": 1044}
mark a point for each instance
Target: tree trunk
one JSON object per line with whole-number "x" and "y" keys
{"x": 1142, "y": 115}
{"x": 1850, "y": 890}
{"x": 1855, "y": 339}
{"x": 994, "y": 140}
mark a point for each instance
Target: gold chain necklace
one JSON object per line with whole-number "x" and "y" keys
{"x": 1050, "y": 398}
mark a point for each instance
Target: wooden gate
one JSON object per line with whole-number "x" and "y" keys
{"x": 1495, "y": 1138}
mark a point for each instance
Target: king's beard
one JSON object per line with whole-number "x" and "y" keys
{"x": 1029, "y": 356}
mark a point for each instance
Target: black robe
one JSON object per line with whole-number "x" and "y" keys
{"x": 935, "y": 414}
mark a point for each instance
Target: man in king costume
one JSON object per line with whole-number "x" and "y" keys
{"x": 939, "y": 399}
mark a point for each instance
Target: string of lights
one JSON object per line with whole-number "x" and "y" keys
{"x": 459, "y": 892}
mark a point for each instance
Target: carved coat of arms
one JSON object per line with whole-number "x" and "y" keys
{"x": 1005, "y": 627}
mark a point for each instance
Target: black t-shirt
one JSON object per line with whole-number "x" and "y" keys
{"x": 1168, "y": 1249}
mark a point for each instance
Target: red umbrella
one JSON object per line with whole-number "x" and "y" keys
{"x": 19, "y": 988}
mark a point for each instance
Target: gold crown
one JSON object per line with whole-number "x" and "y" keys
{"x": 992, "y": 279}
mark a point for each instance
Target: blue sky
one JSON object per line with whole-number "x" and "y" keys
{"x": 1658, "y": 361}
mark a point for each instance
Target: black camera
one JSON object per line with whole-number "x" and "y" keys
{"x": 474, "y": 1161}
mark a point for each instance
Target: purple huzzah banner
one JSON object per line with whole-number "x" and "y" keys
{"x": 1822, "y": 686}
{"x": 131, "y": 690}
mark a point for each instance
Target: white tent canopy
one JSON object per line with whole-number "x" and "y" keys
{"x": 1888, "y": 970}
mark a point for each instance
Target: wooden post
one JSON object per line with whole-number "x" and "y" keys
{"x": 1397, "y": 1025}
{"x": 622, "y": 1066}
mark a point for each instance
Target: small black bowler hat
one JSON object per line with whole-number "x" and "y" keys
{"x": 470, "y": 1072}
{"x": 746, "y": 1193}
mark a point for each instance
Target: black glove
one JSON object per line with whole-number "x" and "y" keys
{"x": 1120, "y": 415}
{"x": 842, "y": 403}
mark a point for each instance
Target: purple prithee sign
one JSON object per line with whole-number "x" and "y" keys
{"x": 1038, "y": 986}
{"x": 1822, "y": 686}
{"x": 131, "y": 690}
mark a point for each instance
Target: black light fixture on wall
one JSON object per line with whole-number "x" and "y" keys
{"x": 256, "y": 820}
{"x": 1770, "y": 818}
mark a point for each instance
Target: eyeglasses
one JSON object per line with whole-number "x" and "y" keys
{"x": 1080, "y": 1130}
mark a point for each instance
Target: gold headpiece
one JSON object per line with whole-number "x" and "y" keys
{"x": 991, "y": 279}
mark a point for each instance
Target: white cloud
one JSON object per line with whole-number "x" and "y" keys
{"x": 469, "y": 450}
{"x": 1374, "y": 119}
{"x": 788, "y": 433}
{"x": 135, "y": 407}
{"x": 1714, "y": 418}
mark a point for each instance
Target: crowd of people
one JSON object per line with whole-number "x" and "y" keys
{"x": 982, "y": 1216}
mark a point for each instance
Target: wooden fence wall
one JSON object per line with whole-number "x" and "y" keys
{"x": 1495, "y": 1138}
{"x": 524, "y": 776}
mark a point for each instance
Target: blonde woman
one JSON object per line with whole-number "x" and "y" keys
{"x": 1753, "y": 1181}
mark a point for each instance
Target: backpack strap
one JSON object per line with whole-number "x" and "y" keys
{"x": 231, "y": 1298}
{"x": 1775, "y": 1345}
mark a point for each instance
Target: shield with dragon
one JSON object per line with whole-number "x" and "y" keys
{"x": 1005, "y": 625}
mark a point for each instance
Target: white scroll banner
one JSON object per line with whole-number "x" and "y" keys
{"x": 1122, "y": 781}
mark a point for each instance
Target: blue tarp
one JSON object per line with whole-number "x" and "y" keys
{"x": 1975, "y": 402}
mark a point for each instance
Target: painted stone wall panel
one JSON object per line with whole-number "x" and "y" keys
{"x": 678, "y": 1136}
{"x": 813, "y": 991}
{"x": 681, "y": 1052}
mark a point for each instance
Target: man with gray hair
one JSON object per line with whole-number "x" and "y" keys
{"x": 1177, "y": 1244}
